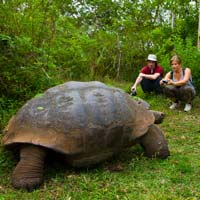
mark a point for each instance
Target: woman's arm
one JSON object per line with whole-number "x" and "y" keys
{"x": 167, "y": 78}
{"x": 185, "y": 79}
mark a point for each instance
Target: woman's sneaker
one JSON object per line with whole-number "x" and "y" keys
{"x": 188, "y": 107}
{"x": 173, "y": 106}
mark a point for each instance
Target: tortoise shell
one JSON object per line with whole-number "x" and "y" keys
{"x": 77, "y": 118}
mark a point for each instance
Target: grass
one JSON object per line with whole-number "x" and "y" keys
{"x": 175, "y": 178}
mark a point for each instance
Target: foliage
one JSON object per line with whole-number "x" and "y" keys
{"x": 21, "y": 71}
{"x": 189, "y": 55}
{"x": 8, "y": 108}
{"x": 44, "y": 43}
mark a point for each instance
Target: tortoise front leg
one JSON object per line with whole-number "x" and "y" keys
{"x": 28, "y": 173}
{"x": 154, "y": 143}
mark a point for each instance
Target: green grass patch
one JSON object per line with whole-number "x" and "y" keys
{"x": 175, "y": 178}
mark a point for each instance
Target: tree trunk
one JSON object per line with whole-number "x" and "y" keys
{"x": 118, "y": 57}
{"x": 198, "y": 44}
{"x": 173, "y": 20}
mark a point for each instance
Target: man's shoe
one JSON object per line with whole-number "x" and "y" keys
{"x": 188, "y": 107}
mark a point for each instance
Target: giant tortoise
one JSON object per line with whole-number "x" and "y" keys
{"x": 85, "y": 123}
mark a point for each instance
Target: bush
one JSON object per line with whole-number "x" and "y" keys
{"x": 189, "y": 54}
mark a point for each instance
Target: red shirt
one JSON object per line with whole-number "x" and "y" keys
{"x": 157, "y": 69}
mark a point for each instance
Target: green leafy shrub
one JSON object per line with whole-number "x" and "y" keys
{"x": 21, "y": 75}
{"x": 189, "y": 54}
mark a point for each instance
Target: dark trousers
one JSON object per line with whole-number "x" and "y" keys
{"x": 151, "y": 85}
{"x": 184, "y": 93}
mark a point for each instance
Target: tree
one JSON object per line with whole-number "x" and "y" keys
{"x": 198, "y": 45}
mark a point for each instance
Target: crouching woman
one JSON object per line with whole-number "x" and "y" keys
{"x": 178, "y": 86}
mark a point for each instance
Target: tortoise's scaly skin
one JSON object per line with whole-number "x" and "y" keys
{"x": 85, "y": 121}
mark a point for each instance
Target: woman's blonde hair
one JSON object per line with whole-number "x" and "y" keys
{"x": 175, "y": 58}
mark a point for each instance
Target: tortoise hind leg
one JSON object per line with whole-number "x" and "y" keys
{"x": 28, "y": 173}
{"x": 154, "y": 143}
